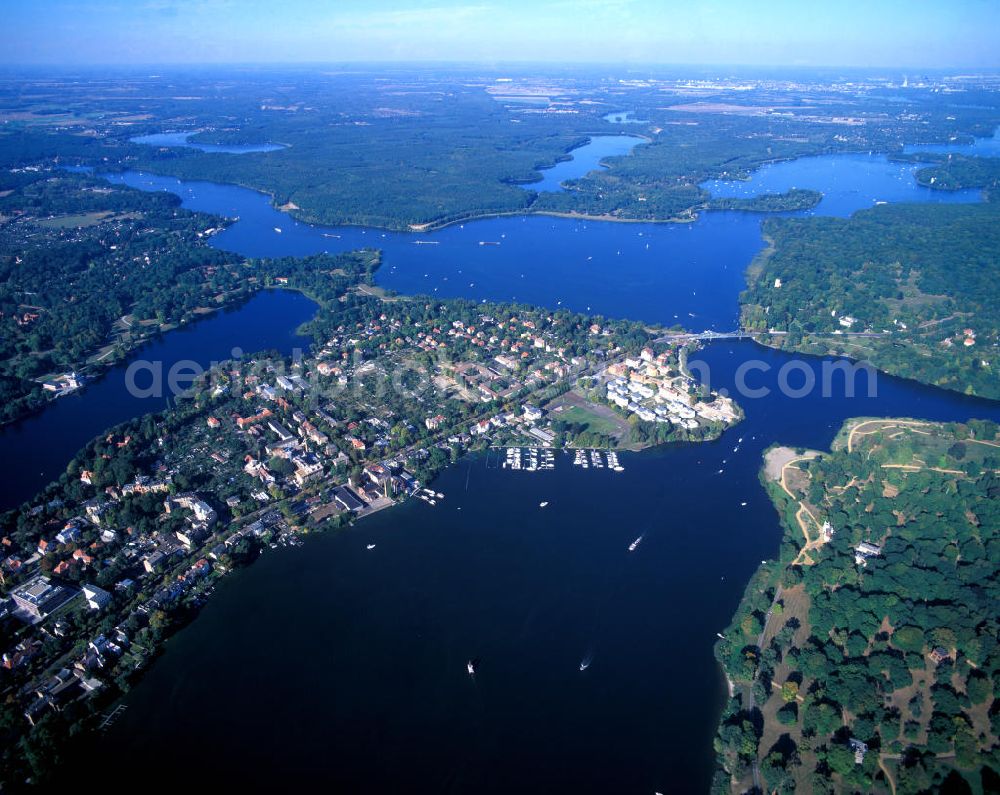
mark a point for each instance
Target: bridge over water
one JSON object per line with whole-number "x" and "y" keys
{"x": 685, "y": 336}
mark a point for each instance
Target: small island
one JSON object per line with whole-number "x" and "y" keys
{"x": 794, "y": 199}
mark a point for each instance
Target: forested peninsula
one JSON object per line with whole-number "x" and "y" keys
{"x": 910, "y": 288}
{"x": 865, "y": 658}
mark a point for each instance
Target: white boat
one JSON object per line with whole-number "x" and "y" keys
{"x": 542, "y": 504}
{"x": 634, "y": 544}
{"x": 470, "y": 666}
{"x": 585, "y": 664}
{"x": 371, "y": 546}
{"x": 277, "y": 229}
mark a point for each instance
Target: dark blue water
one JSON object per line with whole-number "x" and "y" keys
{"x": 585, "y": 159}
{"x": 37, "y": 449}
{"x": 345, "y": 668}
{"x": 181, "y": 139}
{"x": 667, "y": 273}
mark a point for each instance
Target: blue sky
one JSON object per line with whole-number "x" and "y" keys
{"x": 881, "y": 33}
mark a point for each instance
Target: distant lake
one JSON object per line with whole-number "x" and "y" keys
{"x": 980, "y": 147}
{"x": 623, "y": 117}
{"x": 181, "y": 139}
{"x": 848, "y": 183}
{"x": 585, "y": 159}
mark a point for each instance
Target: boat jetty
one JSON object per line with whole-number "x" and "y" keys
{"x": 537, "y": 459}
{"x": 529, "y": 459}
{"x": 597, "y": 459}
{"x": 429, "y": 496}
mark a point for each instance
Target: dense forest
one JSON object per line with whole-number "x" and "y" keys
{"x": 910, "y": 288}
{"x": 363, "y": 166}
{"x": 353, "y": 158}
{"x": 895, "y": 646}
{"x": 87, "y": 270}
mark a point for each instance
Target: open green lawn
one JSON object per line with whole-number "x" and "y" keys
{"x": 74, "y": 221}
{"x": 594, "y": 423}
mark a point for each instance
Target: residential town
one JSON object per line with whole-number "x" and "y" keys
{"x": 133, "y": 538}
{"x": 651, "y": 387}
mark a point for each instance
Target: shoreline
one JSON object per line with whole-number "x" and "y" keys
{"x": 757, "y": 336}
{"x": 433, "y": 226}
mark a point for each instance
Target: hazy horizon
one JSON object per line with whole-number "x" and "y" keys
{"x": 696, "y": 69}
{"x": 848, "y": 35}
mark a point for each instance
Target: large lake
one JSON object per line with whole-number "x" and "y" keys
{"x": 181, "y": 139}
{"x": 340, "y": 668}
{"x": 669, "y": 273}
{"x": 337, "y": 667}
